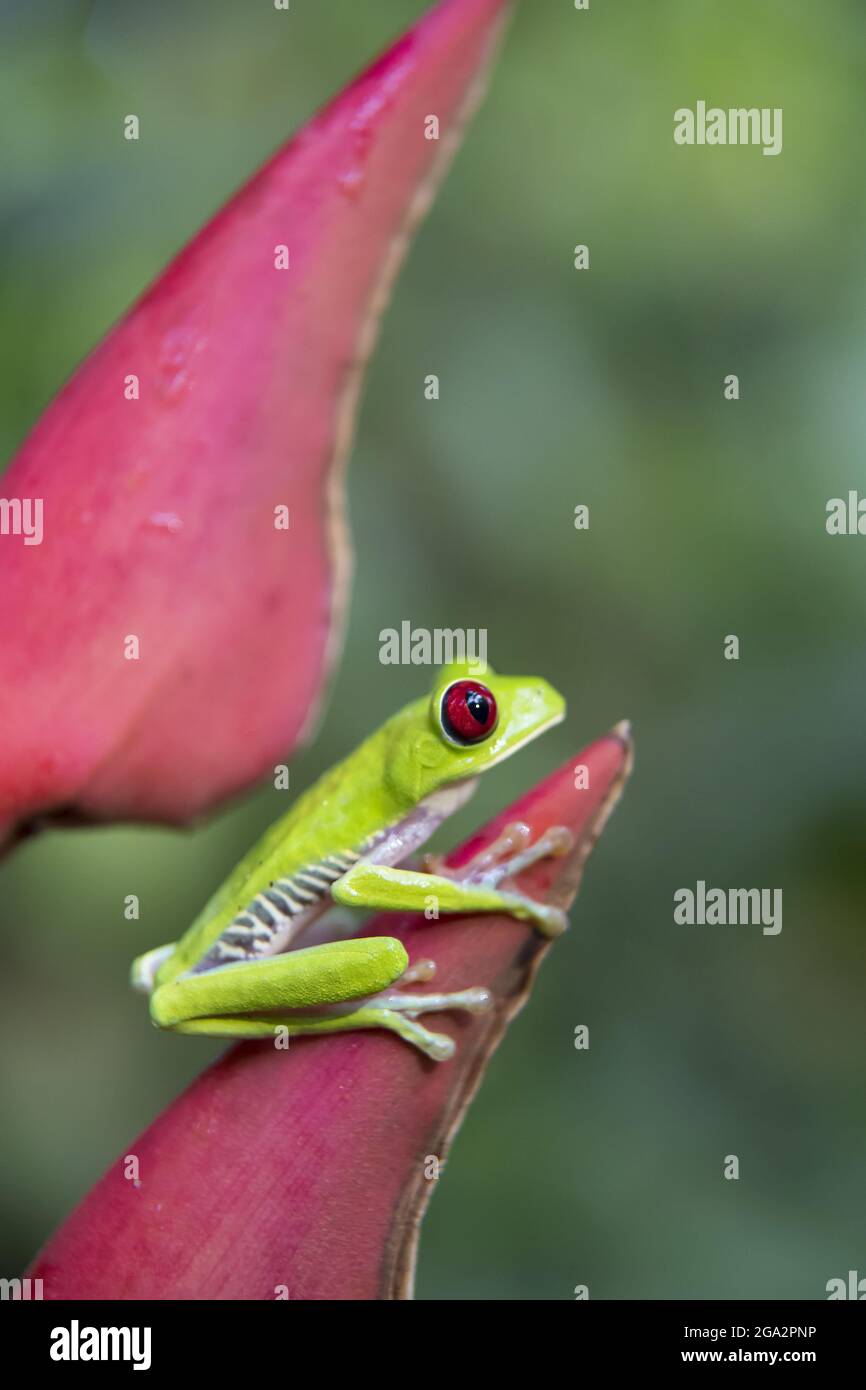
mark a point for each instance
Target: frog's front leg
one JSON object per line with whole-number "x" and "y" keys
{"x": 145, "y": 967}
{"x": 378, "y": 887}
{"x": 336, "y": 987}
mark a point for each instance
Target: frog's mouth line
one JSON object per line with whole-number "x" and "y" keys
{"x": 530, "y": 738}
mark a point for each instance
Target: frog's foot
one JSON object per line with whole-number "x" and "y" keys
{"x": 513, "y": 838}
{"x": 399, "y": 1012}
{"x": 488, "y": 869}
{"x": 555, "y": 842}
{"x": 419, "y": 972}
{"x": 550, "y": 921}
{"x": 475, "y": 1001}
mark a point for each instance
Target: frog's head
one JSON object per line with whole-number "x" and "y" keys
{"x": 469, "y": 724}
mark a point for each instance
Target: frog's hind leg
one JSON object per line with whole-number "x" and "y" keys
{"x": 333, "y": 988}
{"x": 395, "y": 1013}
{"x": 490, "y": 869}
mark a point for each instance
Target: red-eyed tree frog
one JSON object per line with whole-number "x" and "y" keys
{"x": 238, "y": 971}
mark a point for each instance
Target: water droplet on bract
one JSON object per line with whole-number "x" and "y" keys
{"x": 351, "y": 182}
{"x": 165, "y": 521}
{"x": 177, "y": 350}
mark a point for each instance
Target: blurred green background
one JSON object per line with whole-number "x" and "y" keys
{"x": 707, "y": 518}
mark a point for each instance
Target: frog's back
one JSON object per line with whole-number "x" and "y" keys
{"x": 284, "y": 880}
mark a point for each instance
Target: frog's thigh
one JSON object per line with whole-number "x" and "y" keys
{"x": 334, "y": 973}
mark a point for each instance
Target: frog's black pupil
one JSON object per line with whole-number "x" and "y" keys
{"x": 477, "y": 706}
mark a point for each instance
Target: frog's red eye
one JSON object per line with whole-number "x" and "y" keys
{"x": 468, "y": 712}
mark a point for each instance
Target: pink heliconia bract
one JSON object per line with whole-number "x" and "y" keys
{"x": 168, "y": 640}
{"x": 304, "y": 1173}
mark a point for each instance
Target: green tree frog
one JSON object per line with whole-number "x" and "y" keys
{"x": 238, "y": 971}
